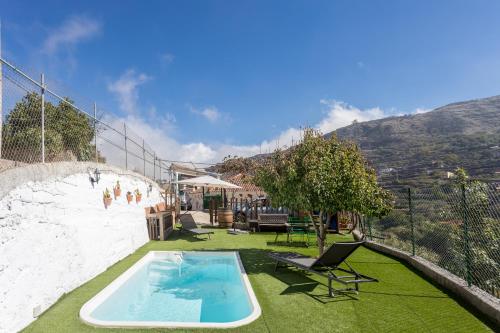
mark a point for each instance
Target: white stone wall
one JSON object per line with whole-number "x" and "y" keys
{"x": 56, "y": 234}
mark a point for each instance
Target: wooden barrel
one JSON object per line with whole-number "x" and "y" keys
{"x": 225, "y": 217}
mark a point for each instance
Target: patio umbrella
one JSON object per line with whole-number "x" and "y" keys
{"x": 208, "y": 181}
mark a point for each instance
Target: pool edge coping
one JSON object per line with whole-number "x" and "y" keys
{"x": 91, "y": 304}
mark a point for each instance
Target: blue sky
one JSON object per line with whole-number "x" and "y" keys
{"x": 202, "y": 79}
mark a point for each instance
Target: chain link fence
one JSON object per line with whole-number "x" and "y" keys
{"x": 38, "y": 125}
{"x": 454, "y": 225}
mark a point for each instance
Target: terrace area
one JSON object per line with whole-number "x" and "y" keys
{"x": 292, "y": 301}
{"x": 74, "y": 198}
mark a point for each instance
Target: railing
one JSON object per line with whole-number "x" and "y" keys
{"x": 250, "y": 209}
{"x": 38, "y": 125}
{"x": 456, "y": 226}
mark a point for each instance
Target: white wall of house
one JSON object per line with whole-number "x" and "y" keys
{"x": 56, "y": 234}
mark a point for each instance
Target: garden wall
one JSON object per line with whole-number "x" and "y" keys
{"x": 55, "y": 233}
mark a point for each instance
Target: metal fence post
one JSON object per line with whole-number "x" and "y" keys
{"x": 160, "y": 170}
{"x": 95, "y": 132}
{"x": 154, "y": 165}
{"x": 42, "y": 93}
{"x": 126, "y": 153}
{"x": 144, "y": 157}
{"x": 467, "y": 253}
{"x": 410, "y": 211}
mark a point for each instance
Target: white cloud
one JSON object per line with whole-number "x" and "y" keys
{"x": 337, "y": 115}
{"x": 125, "y": 89}
{"x": 167, "y": 58}
{"x": 72, "y": 31}
{"x": 340, "y": 114}
{"x": 210, "y": 113}
{"x": 156, "y": 137}
{"x": 421, "y": 110}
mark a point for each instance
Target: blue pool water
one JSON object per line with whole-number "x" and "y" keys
{"x": 181, "y": 287}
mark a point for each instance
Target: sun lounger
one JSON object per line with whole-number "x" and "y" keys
{"x": 327, "y": 265}
{"x": 192, "y": 228}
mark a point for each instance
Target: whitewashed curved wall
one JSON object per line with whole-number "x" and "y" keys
{"x": 55, "y": 234}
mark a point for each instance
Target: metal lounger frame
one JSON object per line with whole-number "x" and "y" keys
{"x": 195, "y": 233}
{"x": 329, "y": 273}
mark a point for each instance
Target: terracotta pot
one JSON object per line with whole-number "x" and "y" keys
{"x": 138, "y": 198}
{"x": 107, "y": 202}
{"x": 129, "y": 198}
{"x": 117, "y": 191}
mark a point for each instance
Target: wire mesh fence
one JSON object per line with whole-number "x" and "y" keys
{"x": 38, "y": 125}
{"x": 454, "y": 225}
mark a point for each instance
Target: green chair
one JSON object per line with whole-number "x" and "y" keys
{"x": 298, "y": 227}
{"x": 309, "y": 229}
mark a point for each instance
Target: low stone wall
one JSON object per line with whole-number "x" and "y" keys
{"x": 485, "y": 303}
{"x": 8, "y": 164}
{"x": 56, "y": 234}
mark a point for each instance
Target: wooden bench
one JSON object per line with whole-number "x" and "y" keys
{"x": 279, "y": 221}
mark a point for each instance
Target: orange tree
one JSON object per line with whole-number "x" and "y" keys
{"x": 322, "y": 174}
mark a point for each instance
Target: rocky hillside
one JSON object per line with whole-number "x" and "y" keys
{"x": 427, "y": 145}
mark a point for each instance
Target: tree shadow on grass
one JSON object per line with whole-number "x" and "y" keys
{"x": 186, "y": 236}
{"x": 209, "y": 226}
{"x": 449, "y": 293}
{"x": 402, "y": 294}
{"x": 299, "y": 282}
{"x": 287, "y": 244}
{"x": 257, "y": 261}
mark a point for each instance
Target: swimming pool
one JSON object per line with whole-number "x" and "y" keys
{"x": 177, "y": 289}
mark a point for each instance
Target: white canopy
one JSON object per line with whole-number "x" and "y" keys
{"x": 207, "y": 181}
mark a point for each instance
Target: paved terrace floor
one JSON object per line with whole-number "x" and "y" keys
{"x": 403, "y": 300}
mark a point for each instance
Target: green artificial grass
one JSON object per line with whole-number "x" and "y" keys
{"x": 291, "y": 301}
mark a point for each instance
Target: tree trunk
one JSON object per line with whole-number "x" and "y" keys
{"x": 320, "y": 231}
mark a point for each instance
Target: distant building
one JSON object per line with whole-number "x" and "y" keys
{"x": 247, "y": 188}
{"x": 183, "y": 171}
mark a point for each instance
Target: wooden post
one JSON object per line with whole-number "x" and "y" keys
{"x": 256, "y": 209}
{"x": 162, "y": 227}
{"x": 248, "y": 209}
{"x": 216, "y": 212}
{"x": 211, "y": 210}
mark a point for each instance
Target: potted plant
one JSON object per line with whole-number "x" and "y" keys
{"x": 138, "y": 196}
{"x": 117, "y": 190}
{"x": 106, "y": 198}
{"x": 129, "y": 196}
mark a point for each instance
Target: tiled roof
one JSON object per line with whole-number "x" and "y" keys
{"x": 240, "y": 180}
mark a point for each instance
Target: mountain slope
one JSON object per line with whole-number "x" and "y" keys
{"x": 426, "y": 145}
